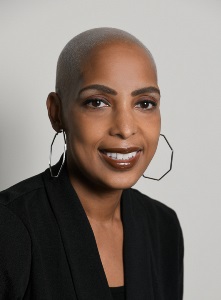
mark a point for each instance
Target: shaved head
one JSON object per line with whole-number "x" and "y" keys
{"x": 76, "y": 52}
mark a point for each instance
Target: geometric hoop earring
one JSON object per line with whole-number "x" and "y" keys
{"x": 171, "y": 161}
{"x": 50, "y": 155}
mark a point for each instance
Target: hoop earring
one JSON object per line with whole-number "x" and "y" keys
{"x": 50, "y": 155}
{"x": 171, "y": 161}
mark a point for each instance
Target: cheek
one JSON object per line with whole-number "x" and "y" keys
{"x": 152, "y": 133}
{"x": 152, "y": 126}
{"x": 82, "y": 134}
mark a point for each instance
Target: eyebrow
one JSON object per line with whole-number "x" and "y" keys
{"x": 99, "y": 87}
{"x": 149, "y": 89}
{"x": 105, "y": 89}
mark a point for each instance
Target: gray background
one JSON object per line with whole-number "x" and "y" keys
{"x": 185, "y": 39}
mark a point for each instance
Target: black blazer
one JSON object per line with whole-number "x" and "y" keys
{"x": 48, "y": 249}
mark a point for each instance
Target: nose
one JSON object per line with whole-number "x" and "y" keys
{"x": 123, "y": 124}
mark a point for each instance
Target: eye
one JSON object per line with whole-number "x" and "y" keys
{"x": 146, "y": 104}
{"x": 96, "y": 103}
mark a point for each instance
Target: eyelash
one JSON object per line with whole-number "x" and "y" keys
{"x": 89, "y": 103}
{"x": 148, "y": 102}
{"x": 95, "y": 101}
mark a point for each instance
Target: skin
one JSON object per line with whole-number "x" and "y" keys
{"x": 96, "y": 119}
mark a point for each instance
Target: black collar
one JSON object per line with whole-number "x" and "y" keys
{"x": 85, "y": 265}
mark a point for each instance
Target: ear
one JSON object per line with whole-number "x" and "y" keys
{"x": 54, "y": 111}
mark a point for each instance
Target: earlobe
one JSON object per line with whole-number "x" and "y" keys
{"x": 54, "y": 111}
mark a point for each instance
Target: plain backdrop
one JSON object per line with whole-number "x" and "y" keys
{"x": 185, "y": 39}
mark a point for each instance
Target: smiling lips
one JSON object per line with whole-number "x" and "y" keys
{"x": 121, "y": 158}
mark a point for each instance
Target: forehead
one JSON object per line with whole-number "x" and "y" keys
{"x": 116, "y": 50}
{"x": 124, "y": 58}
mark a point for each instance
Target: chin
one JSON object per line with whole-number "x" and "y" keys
{"x": 121, "y": 182}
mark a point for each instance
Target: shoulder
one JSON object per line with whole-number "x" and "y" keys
{"x": 150, "y": 204}
{"x": 12, "y": 230}
{"x": 21, "y": 189}
{"x": 14, "y": 199}
{"x": 158, "y": 214}
{"x": 15, "y": 255}
{"x": 161, "y": 221}
{"x": 19, "y": 204}
{"x": 162, "y": 226}
{"x": 15, "y": 251}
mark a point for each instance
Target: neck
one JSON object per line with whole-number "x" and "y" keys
{"x": 101, "y": 205}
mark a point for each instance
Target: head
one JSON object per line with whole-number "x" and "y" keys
{"x": 107, "y": 101}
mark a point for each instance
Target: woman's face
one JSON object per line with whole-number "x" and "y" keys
{"x": 112, "y": 120}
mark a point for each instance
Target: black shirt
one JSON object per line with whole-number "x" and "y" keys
{"x": 48, "y": 249}
{"x": 118, "y": 293}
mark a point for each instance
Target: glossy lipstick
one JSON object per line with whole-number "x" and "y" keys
{"x": 121, "y": 158}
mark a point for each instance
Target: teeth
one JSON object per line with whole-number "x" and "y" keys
{"x": 121, "y": 156}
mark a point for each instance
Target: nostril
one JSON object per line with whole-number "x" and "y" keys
{"x": 123, "y": 127}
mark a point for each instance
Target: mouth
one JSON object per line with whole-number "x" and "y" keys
{"x": 121, "y": 158}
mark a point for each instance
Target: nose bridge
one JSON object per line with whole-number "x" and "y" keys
{"x": 123, "y": 123}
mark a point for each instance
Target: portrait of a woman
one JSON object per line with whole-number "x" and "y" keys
{"x": 79, "y": 230}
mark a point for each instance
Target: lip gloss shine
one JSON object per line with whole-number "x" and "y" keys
{"x": 120, "y": 164}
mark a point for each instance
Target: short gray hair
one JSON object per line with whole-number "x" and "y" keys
{"x": 77, "y": 49}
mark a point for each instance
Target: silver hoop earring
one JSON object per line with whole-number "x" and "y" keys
{"x": 171, "y": 161}
{"x": 50, "y": 156}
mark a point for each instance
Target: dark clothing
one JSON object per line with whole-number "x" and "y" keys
{"x": 48, "y": 249}
{"x": 118, "y": 293}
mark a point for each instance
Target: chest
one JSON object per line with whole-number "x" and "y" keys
{"x": 110, "y": 247}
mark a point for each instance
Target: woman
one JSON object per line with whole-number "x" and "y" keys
{"x": 78, "y": 230}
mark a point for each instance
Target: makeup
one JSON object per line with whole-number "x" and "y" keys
{"x": 121, "y": 158}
